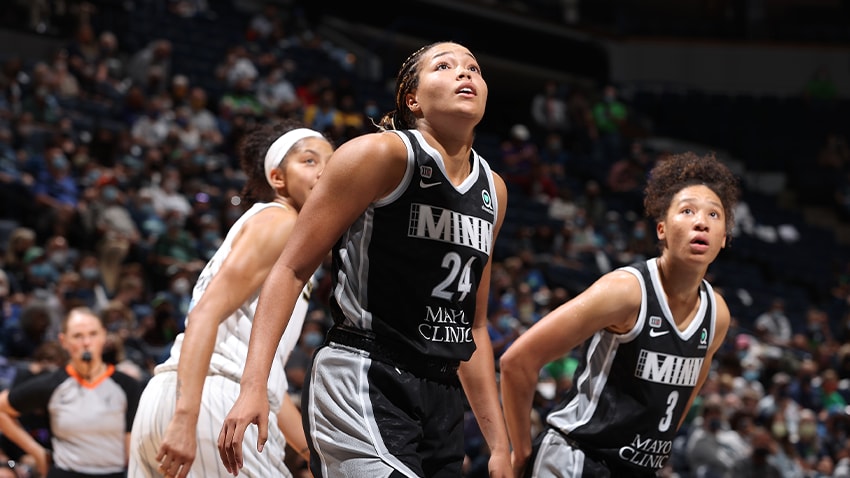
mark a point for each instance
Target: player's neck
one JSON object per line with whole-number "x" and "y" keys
{"x": 680, "y": 283}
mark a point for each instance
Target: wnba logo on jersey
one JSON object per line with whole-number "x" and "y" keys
{"x": 445, "y": 225}
{"x": 668, "y": 369}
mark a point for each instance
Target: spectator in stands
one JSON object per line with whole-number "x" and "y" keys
{"x": 66, "y": 85}
{"x": 264, "y": 23}
{"x": 832, "y": 400}
{"x": 549, "y": 110}
{"x": 111, "y": 81}
{"x": 777, "y": 409}
{"x": 56, "y": 195}
{"x": 557, "y": 158}
{"x": 773, "y": 326}
{"x": 277, "y": 93}
{"x": 240, "y": 100}
{"x": 116, "y": 230}
{"x": 818, "y": 330}
{"x": 41, "y": 273}
{"x": 203, "y": 119}
{"x": 626, "y": 178}
{"x": 323, "y": 115}
{"x": 609, "y": 117}
{"x": 21, "y": 239}
{"x": 298, "y": 366}
{"x": 174, "y": 250}
{"x": 90, "y": 288}
{"x": 47, "y": 358}
{"x": 594, "y": 203}
{"x": 518, "y": 154}
{"x": 166, "y": 195}
{"x": 150, "y": 128}
{"x": 758, "y": 464}
{"x": 82, "y": 53}
{"x": 238, "y": 65}
{"x": 41, "y": 102}
{"x": 503, "y": 328}
{"x": 563, "y": 206}
{"x": 178, "y": 92}
{"x": 24, "y": 338}
{"x": 352, "y": 119}
{"x": 712, "y": 447}
{"x": 809, "y": 445}
{"x": 150, "y": 67}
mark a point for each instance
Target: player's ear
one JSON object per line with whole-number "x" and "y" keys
{"x": 411, "y": 102}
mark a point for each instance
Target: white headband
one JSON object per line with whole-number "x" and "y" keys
{"x": 281, "y": 146}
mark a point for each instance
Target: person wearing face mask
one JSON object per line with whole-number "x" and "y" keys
{"x": 40, "y": 272}
{"x": 90, "y": 406}
{"x": 174, "y": 250}
{"x": 298, "y": 365}
{"x": 179, "y": 295}
{"x": 60, "y": 254}
{"x": 117, "y": 231}
{"x": 712, "y": 447}
{"x": 90, "y": 289}
{"x": 503, "y": 329}
{"x": 56, "y": 195}
{"x": 759, "y": 462}
{"x": 809, "y": 445}
{"x": 184, "y": 403}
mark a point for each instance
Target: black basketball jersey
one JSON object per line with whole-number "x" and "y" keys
{"x": 408, "y": 269}
{"x": 630, "y": 390}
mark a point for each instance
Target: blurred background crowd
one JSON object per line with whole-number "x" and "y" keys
{"x": 119, "y": 123}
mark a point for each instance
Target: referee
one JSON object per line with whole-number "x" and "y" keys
{"x": 90, "y": 406}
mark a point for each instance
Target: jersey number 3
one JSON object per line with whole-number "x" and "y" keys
{"x": 667, "y": 420}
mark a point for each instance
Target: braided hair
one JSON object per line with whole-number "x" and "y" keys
{"x": 406, "y": 81}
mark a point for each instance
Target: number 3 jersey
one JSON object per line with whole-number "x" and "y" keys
{"x": 408, "y": 269}
{"x": 630, "y": 390}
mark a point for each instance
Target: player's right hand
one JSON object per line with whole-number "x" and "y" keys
{"x": 177, "y": 451}
{"x": 250, "y": 407}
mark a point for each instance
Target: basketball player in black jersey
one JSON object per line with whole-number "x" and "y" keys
{"x": 411, "y": 213}
{"x": 649, "y": 332}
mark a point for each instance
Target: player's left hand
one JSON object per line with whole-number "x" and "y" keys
{"x": 500, "y": 465}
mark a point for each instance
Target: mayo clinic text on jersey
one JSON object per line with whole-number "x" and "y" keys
{"x": 443, "y": 324}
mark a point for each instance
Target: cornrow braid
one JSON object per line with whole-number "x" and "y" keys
{"x": 406, "y": 81}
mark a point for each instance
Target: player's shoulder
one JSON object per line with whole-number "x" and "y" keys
{"x": 380, "y": 143}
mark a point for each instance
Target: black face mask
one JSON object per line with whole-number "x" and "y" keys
{"x": 761, "y": 452}
{"x": 715, "y": 424}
